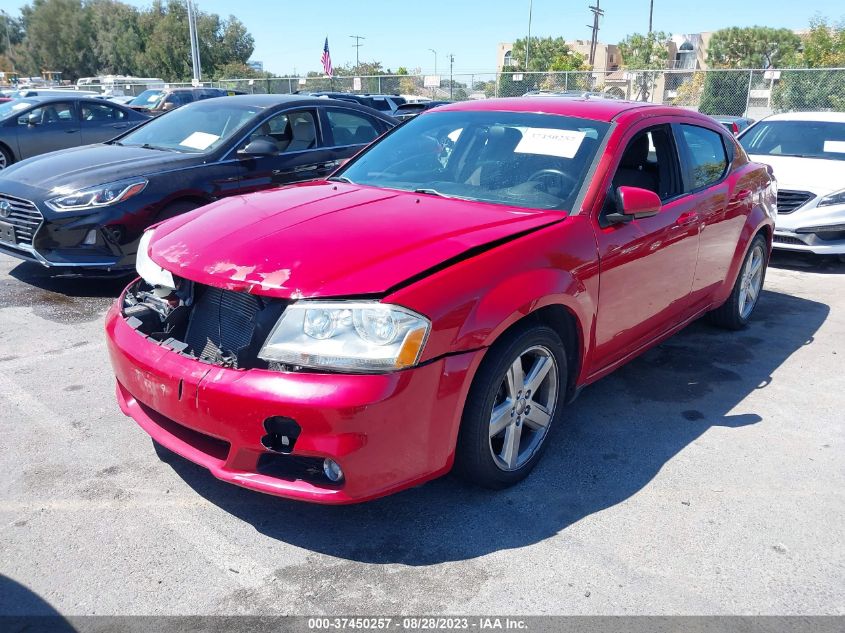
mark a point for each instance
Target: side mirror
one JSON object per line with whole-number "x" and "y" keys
{"x": 168, "y": 106}
{"x": 634, "y": 203}
{"x": 259, "y": 147}
{"x": 33, "y": 119}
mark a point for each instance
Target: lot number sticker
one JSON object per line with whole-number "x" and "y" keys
{"x": 199, "y": 140}
{"x": 550, "y": 142}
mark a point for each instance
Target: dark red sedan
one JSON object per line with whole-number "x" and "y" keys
{"x": 438, "y": 300}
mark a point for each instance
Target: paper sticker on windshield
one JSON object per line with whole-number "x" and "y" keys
{"x": 199, "y": 140}
{"x": 550, "y": 142}
{"x": 834, "y": 147}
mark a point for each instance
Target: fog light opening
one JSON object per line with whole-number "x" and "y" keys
{"x": 332, "y": 470}
{"x": 90, "y": 238}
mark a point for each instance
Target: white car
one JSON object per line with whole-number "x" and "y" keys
{"x": 806, "y": 151}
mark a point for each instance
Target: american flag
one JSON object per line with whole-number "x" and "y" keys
{"x": 327, "y": 59}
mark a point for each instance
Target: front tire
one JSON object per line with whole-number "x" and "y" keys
{"x": 735, "y": 313}
{"x": 515, "y": 399}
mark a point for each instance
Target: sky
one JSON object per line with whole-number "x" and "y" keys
{"x": 289, "y": 35}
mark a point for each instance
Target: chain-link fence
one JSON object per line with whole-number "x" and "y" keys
{"x": 752, "y": 93}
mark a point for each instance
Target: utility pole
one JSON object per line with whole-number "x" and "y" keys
{"x": 195, "y": 49}
{"x": 528, "y": 41}
{"x": 435, "y": 59}
{"x": 357, "y": 46}
{"x": 650, "y": 14}
{"x": 597, "y": 13}
{"x": 451, "y": 65}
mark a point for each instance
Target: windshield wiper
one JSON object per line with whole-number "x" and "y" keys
{"x": 340, "y": 179}
{"x": 158, "y": 147}
{"x": 432, "y": 192}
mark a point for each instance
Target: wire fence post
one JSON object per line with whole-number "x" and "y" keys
{"x": 748, "y": 98}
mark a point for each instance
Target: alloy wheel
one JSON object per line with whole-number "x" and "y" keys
{"x": 523, "y": 408}
{"x": 751, "y": 282}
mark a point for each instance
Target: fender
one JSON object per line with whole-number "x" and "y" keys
{"x": 756, "y": 221}
{"x": 473, "y": 302}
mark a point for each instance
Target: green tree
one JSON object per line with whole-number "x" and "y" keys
{"x": 546, "y": 54}
{"x": 753, "y": 47}
{"x": 725, "y": 92}
{"x": 116, "y": 37}
{"x": 58, "y": 38}
{"x": 824, "y": 45}
{"x": 645, "y": 55}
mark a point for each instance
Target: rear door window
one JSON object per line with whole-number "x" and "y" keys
{"x": 706, "y": 156}
{"x": 349, "y": 128}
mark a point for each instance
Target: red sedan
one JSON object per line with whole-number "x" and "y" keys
{"x": 438, "y": 300}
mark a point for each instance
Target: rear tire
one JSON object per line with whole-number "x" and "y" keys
{"x": 736, "y": 312}
{"x": 6, "y": 158}
{"x": 516, "y": 398}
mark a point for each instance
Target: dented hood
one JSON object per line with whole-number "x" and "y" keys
{"x": 330, "y": 239}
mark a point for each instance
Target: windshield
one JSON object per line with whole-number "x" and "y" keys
{"x": 147, "y": 99}
{"x": 516, "y": 159}
{"x": 808, "y": 139}
{"x": 11, "y": 107}
{"x": 197, "y": 127}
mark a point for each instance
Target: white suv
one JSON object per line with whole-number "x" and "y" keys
{"x": 806, "y": 150}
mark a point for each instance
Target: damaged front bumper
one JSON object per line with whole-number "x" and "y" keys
{"x": 386, "y": 431}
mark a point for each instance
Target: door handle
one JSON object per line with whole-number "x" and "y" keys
{"x": 70, "y": 131}
{"x": 302, "y": 168}
{"x": 686, "y": 218}
{"x": 330, "y": 165}
{"x": 119, "y": 126}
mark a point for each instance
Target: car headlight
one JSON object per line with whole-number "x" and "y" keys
{"x": 837, "y": 197}
{"x": 365, "y": 336}
{"x": 95, "y": 197}
{"x": 147, "y": 269}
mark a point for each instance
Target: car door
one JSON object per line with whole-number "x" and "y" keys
{"x": 101, "y": 122}
{"x": 721, "y": 209}
{"x": 48, "y": 127}
{"x": 646, "y": 265}
{"x": 301, "y": 155}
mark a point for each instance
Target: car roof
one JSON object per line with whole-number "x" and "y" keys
{"x": 832, "y": 117}
{"x": 597, "y": 109}
{"x": 272, "y": 100}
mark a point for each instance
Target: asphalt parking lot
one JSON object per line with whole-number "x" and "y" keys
{"x": 706, "y": 477}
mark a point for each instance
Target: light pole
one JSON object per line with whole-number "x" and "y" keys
{"x": 7, "y": 19}
{"x": 435, "y": 59}
{"x": 195, "y": 53}
{"x": 528, "y": 41}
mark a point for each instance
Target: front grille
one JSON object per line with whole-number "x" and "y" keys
{"x": 786, "y": 239}
{"x": 24, "y": 216}
{"x": 788, "y": 201}
{"x": 222, "y": 325}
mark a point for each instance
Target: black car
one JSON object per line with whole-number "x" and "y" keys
{"x": 36, "y": 125}
{"x": 86, "y": 208}
{"x": 383, "y": 103}
{"x": 410, "y": 110}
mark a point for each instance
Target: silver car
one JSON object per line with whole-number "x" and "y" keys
{"x": 806, "y": 151}
{"x": 37, "y": 125}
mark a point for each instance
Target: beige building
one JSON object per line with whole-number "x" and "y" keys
{"x": 608, "y": 57}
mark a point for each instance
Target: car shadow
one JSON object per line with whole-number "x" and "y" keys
{"x": 807, "y": 262}
{"x": 616, "y": 437}
{"x": 85, "y": 285}
{"x": 21, "y": 609}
